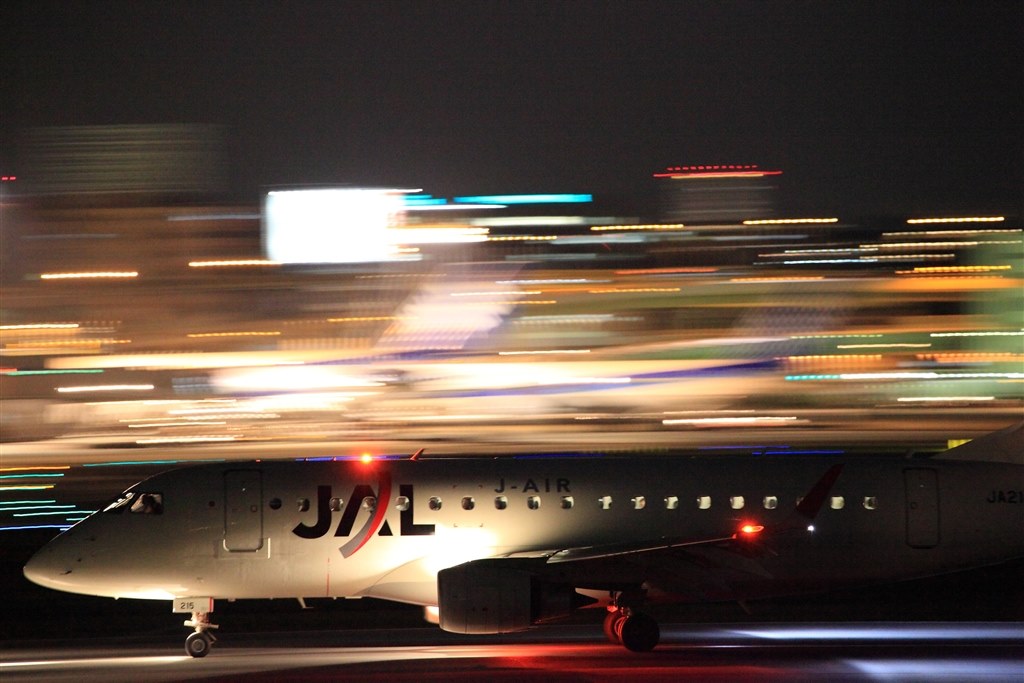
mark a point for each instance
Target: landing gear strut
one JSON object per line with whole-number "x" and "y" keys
{"x": 625, "y": 625}
{"x": 200, "y": 641}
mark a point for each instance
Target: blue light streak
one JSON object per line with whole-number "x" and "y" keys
{"x": 27, "y": 476}
{"x": 526, "y": 199}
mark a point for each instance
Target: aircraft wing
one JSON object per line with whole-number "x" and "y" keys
{"x": 803, "y": 514}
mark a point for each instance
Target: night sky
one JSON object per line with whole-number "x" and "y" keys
{"x": 868, "y": 107}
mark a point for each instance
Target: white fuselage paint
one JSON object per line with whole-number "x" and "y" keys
{"x": 237, "y": 530}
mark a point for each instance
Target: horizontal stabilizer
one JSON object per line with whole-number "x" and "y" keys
{"x": 1006, "y": 445}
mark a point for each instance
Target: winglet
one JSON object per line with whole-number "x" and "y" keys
{"x": 810, "y": 505}
{"x": 417, "y": 454}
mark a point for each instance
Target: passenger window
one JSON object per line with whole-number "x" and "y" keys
{"x": 704, "y": 502}
{"x": 737, "y": 502}
{"x": 402, "y": 503}
{"x": 870, "y": 503}
{"x": 567, "y": 502}
{"x": 605, "y": 502}
{"x": 336, "y": 504}
{"x": 500, "y": 502}
{"x": 434, "y": 503}
{"x": 771, "y": 502}
{"x": 639, "y": 502}
{"x": 837, "y": 503}
{"x": 533, "y": 502}
{"x": 671, "y": 502}
{"x": 468, "y": 503}
{"x": 303, "y": 504}
{"x": 370, "y": 503}
{"x": 275, "y": 503}
{"x": 148, "y": 504}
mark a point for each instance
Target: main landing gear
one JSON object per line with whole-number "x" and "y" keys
{"x": 200, "y": 641}
{"x": 626, "y": 626}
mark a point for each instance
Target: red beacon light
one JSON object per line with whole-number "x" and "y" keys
{"x": 750, "y": 530}
{"x": 366, "y": 458}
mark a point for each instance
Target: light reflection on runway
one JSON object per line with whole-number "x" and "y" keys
{"x": 866, "y": 651}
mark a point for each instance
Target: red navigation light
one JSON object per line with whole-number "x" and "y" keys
{"x": 751, "y": 529}
{"x": 366, "y": 458}
{"x": 8, "y": 178}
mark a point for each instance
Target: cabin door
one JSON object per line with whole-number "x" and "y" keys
{"x": 243, "y": 510}
{"x": 922, "y": 507}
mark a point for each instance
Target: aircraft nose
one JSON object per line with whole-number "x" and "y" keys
{"x": 48, "y": 567}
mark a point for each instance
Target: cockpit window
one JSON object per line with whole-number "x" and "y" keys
{"x": 148, "y": 504}
{"x": 138, "y": 502}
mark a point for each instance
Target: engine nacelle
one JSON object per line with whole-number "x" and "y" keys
{"x": 500, "y": 596}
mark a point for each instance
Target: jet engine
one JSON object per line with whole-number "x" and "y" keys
{"x": 500, "y": 596}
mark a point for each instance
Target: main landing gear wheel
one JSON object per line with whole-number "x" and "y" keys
{"x": 198, "y": 644}
{"x": 639, "y": 632}
{"x": 612, "y": 624}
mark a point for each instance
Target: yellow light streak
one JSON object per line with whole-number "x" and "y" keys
{"x": 791, "y": 221}
{"x": 637, "y": 290}
{"x": 364, "y": 319}
{"x": 40, "y": 326}
{"x": 27, "y": 487}
{"x": 882, "y": 346}
{"x": 783, "y": 278}
{"x": 966, "y": 219}
{"x": 203, "y": 335}
{"x": 35, "y": 469}
{"x": 929, "y": 270}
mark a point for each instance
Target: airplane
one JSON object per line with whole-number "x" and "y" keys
{"x": 500, "y": 544}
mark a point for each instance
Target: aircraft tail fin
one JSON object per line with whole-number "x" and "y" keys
{"x": 1005, "y": 445}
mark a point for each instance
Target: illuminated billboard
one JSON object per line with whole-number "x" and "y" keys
{"x": 349, "y": 225}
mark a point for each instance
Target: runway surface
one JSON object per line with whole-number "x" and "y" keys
{"x": 792, "y": 652}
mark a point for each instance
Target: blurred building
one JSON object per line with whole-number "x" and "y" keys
{"x": 142, "y": 160}
{"x": 720, "y": 193}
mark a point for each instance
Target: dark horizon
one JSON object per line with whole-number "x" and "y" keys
{"x": 869, "y": 108}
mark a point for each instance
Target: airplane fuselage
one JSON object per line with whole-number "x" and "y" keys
{"x": 386, "y": 528}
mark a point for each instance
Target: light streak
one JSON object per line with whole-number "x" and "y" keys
{"x": 93, "y": 275}
{"x": 106, "y": 387}
{"x": 526, "y": 199}
{"x": 977, "y": 334}
{"x": 31, "y": 476}
{"x": 34, "y": 468}
{"x": 642, "y": 226}
{"x": 41, "y": 326}
{"x": 203, "y": 335}
{"x": 27, "y": 373}
{"x": 968, "y": 219}
{"x": 882, "y": 346}
{"x": 791, "y": 221}
{"x": 232, "y": 263}
{"x": 939, "y": 399}
{"x": 522, "y": 238}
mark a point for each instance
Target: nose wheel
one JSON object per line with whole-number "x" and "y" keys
{"x": 199, "y": 642}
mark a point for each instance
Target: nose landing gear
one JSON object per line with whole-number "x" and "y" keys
{"x": 199, "y": 642}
